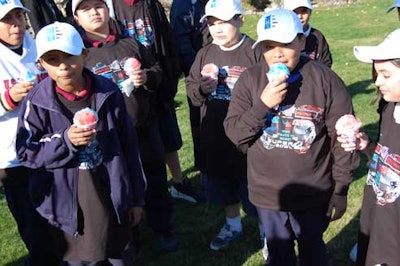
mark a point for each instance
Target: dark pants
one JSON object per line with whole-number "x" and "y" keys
{"x": 158, "y": 200}
{"x": 283, "y": 228}
{"x": 33, "y": 229}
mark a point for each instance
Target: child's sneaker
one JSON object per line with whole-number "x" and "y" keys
{"x": 224, "y": 237}
{"x": 264, "y": 249}
{"x": 185, "y": 191}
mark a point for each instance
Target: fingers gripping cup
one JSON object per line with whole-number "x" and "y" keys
{"x": 210, "y": 70}
{"x": 130, "y": 66}
{"x": 348, "y": 126}
{"x": 86, "y": 118}
{"x": 277, "y": 70}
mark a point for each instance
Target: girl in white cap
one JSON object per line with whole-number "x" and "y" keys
{"x": 379, "y": 238}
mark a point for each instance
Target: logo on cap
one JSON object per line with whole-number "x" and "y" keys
{"x": 53, "y": 33}
{"x": 4, "y": 2}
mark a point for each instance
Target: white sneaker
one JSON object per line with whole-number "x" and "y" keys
{"x": 264, "y": 250}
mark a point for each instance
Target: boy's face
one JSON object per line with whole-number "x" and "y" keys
{"x": 225, "y": 33}
{"x": 64, "y": 69}
{"x": 289, "y": 54}
{"x": 92, "y": 15}
{"x": 388, "y": 80}
{"x": 12, "y": 28}
{"x": 304, "y": 15}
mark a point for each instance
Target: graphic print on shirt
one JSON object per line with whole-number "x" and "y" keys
{"x": 227, "y": 77}
{"x": 384, "y": 175}
{"x": 91, "y": 156}
{"x": 113, "y": 71}
{"x": 290, "y": 127}
{"x": 33, "y": 72}
{"x": 140, "y": 30}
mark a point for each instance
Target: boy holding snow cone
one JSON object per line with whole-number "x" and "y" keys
{"x": 87, "y": 182}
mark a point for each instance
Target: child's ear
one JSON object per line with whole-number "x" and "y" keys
{"x": 239, "y": 20}
{"x": 76, "y": 19}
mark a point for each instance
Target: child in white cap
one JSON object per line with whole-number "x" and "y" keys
{"x": 87, "y": 182}
{"x": 317, "y": 47}
{"x": 379, "y": 239}
{"x": 19, "y": 73}
{"x": 297, "y": 176}
{"x": 225, "y": 167}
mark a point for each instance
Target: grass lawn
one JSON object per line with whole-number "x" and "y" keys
{"x": 364, "y": 23}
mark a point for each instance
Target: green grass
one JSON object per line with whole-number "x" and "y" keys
{"x": 364, "y": 23}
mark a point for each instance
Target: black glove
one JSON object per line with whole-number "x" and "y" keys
{"x": 339, "y": 203}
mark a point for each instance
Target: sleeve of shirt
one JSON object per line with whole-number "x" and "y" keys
{"x": 344, "y": 163}
{"x": 182, "y": 23}
{"x": 130, "y": 146}
{"x": 36, "y": 148}
{"x": 324, "y": 54}
{"x": 193, "y": 81}
{"x": 246, "y": 114}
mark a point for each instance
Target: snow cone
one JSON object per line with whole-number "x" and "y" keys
{"x": 131, "y": 65}
{"x": 210, "y": 70}
{"x": 348, "y": 126}
{"x": 86, "y": 118}
{"x": 277, "y": 70}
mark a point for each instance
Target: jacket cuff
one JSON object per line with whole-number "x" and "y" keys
{"x": 341, "y": 189}
{"x": 7, "y": 102}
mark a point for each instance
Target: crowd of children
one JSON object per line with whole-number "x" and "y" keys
{"x": 77, "y": 192}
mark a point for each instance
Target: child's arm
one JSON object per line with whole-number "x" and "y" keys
{"x": 38, "y": 148}
{"x": 198, "y": 87}
{"x": 246, "y": 113}
{"x": 152, "y": 70}
{"x": 128, "y": 138}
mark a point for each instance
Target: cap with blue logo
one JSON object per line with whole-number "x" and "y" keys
{"x": 59, "y": 36}
{"x": 278, "y": 25}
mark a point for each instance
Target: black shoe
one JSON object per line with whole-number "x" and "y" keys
{"x": 185, "y": 191}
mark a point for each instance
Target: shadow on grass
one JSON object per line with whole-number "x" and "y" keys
{"x": 344, "y": 240}
{"x": 196, "y": 224}
{"x": 361, "y": 87}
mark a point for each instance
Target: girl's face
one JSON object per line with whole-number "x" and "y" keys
{"x": 12, "y": 28}
{"x": 225, "y": 33}
{"x": 65, "y": 69}
{"x": 304, "y": 15}
{"x": 286, "y": 53}
{"x": 388, "y": 80}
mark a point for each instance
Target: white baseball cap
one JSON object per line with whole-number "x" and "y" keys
{"x": 8, "y": 5}
{"x": 59, "y": 36}
{"x": 293, "y": 4}
{"x": 386, "y": 50}
{"x": 396, "y": 4}
{"x": 75, "y": 4}
{"x": 278, "y": 25}
{"x": 222, "y": 9}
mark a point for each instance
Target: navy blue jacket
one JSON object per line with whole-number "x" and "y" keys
{"x": 43, "y": 146}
